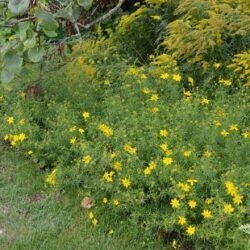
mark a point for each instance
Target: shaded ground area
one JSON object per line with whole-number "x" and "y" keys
{"x": 33, "y": 218}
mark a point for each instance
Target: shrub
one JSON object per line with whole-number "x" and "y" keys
{"x": 146, "y": 143}
{"x": 144, "y": 148}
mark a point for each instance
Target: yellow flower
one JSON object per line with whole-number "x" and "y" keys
{"x": 187, "y": 153}
{"x": 107, "y": 82}
{"x": 6, "y": 137}
{"x": 192, "y": 203}
{"x": 237, "y": 199}
{"x": 245, "y": 134}
{"x": 108, "y": 176}
{"x": 164, "y": 76}
{"x": 151, "y": 56}
{"x": 187, "y": 93}
{"x": 217, "y": 123}
{"x": 154, "y": 97}
{"x": 174, "y": 244}
{"x": 51, "y": 178}
{"x": 231, "y": 188}
{"x": 81, "y": 131}
{"x": 209, "y": 201}
{"x": 152, "y": 165}
{"x": 207, "y": 153}
{"x": 146, "y": 90}
{"x": 225, "y": 82}
{"x": 73, "y": 140}
{"x": 182, "y": 220}
{"x": 126, "y": 182}
{"x": 224, "y": 133}
{"x": 192, "y": 181}
{"x": 94, "y": 221}
{"x": 30, "y": 152}
{"x": 113, "y": 155}
{"x": 167, "y": 160}
{"x": 127, "y": 148}
{"x": 143, "y": 76}
{"x": 22, "y": 122}
{"x": 86, "y": 159}
{"x": 207, "y": 214}
{"x": 147, "y": 171}
{"x": 106, "y": 130}
{"x": 228, "y": 208}
{"x": 191, "y": 230}
{"x": 204, "y": 101}
{"x": 116, "y": 202}
{"x": 86, "y": 115}
{"x": 163, "y": 133}
{"x": 10, "y": 120}
{"x": 191, "y": 80}
{"x": 72, "y": 129}
{"x": 175, "y": 203}
{"x": 217, "y": 65}
{"x": 168, "y": 152}
{"x": 234, "y": 127}
{"x": 91, "y": 215}
{"x": 117, "y": 165}
{"x": 177, "y": 77}
{"x": 164, "y": 146}
{"x": 183, "y": 186}
{"x": 105, "y": 200}
{"x": 155, "y": 110}
{"x": 22, "y": 137}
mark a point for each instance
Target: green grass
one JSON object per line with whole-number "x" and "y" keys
{"x": 32, "y": 217}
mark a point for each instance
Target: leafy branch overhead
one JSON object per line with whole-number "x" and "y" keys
{"x": 29, "y": 27}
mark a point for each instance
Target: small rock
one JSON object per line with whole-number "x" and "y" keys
{"x": 87, "y": 203}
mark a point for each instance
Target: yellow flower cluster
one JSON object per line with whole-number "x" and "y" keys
{"x": 129, "y": 149}
{"x": 106, "y": 130}
{"x": 233, "y": 191}
{"x": 108, "y": 176}
{"x": 14, "y": 139}
{"x": 86, "y": 159}
{"x": 148, "y": 170}
{"x": 51, "y": 178}
{"x": 93, "y": 219}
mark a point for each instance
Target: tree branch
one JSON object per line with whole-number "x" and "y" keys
{"x": 12, "y": 24}
{"x": 105, "y": 16}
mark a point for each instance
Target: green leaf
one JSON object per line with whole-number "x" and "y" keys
{"x": 50, "y": 33}
{"x": 5, "y": 47}
{"x": 66, "y": 13}
{"x": 18, "y": 7}
{"x": 30, "y": 43}
{"x": 12, "y": 61}
{"x": 86, "y": 4}
{"x": 48, "y": 22}
{"x": 6, "y": 75}
{"x": 36, "y": 54}
{"x": 23, "y": 27}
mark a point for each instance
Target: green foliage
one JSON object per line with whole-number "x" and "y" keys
{"x": 18, "y": 7}
{"x": 196, "y": 34}
{"x": 32, "y": 218}
{"x": 141, "y": 144}
{"x": 86, "y": 4}
{"x": 162, "y": 145}
{"x": 48, "y": 23}
{"x": 46, "y": 26}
